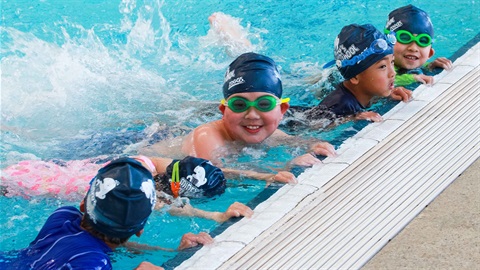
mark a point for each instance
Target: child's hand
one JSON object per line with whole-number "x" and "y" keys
{"x": 400, "y": 93}
{"x": 285, "y": 177}
{"x": 370, "y": 116}
{"x": 440, "y": 62}
{"x": 324, "y": 149}
{"x": 237, "y": 209}
{"x": 425, "y": 79}
{"x": 192, "y": 240}
{"x": 306, "y": 160}
{"x": 148, "y": 266}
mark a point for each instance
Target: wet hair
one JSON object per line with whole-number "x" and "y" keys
{"x": 87, "y": 226}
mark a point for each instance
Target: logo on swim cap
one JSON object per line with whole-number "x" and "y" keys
{"x": 229, "y": 74}
{"x": 235, "y": 82}
{"x": 342, "y": 53}
{"x": 392, "y": 25}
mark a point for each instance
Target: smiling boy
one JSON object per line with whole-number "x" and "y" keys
{"x": 252, "y": 109}
{"x": 414, "y": 32}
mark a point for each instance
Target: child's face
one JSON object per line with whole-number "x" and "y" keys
{"x": 411, "y": 56}
{"x": 252, "y": 126}
{"x": 379, "y": 78}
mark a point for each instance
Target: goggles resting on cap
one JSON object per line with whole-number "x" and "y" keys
{"x": 376, "y": 47}
{"x": 264, "y": 103}
{"x": 405, "y": 37}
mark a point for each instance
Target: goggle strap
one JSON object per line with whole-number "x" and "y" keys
{"x": 283, "y": 100}
{"x": 175, "y": 184}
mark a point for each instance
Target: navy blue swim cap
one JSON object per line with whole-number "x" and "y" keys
{"x": 121, "y": 198}
{"x": 198, "y": 178}
{"x": 252, "y": 72}
{"x": 411, "y": 19}
{"x": 353, "y": 40}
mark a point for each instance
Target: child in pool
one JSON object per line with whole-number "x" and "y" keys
{"x": 364, "y": 57}
{"x": 252, "y": 109}
{"x": 117, "y": 205}
{"x": 229, "y": 33}
{"x": 414, "y": 31}
{"x": 195, "y": 178}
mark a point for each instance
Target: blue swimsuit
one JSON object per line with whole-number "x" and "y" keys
{"x": 341, "y": 102}
{"x": 63, "y": 244}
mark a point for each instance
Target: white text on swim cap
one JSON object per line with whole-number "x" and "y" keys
{"x": 229, "y": 74}
{"x": 395, "y": 26}
{"x": 343, "y": 53}
{"x": 235, "y": 82}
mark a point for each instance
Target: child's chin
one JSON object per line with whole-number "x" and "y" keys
{"x": 387, "y": 93}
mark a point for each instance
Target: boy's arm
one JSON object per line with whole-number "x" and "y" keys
{"x": 188, "y": 240}
{"x": 204, "y": 141}
{"x": 148, "y": 266}
{"x": 234, "y": 210}
{"x": 161, "y": 164}
{"x": 281, "y": 176}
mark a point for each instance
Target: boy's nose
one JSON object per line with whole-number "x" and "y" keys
{"x": 413, "y": 46}
{"x": 252, "y": 113}
{"x": 392, "y": 72}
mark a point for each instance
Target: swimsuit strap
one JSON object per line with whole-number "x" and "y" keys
{"x": 147, "y": 162}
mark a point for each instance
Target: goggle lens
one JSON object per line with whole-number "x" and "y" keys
{"x": 263, "y": 103}
{"x": 379, "y": 46}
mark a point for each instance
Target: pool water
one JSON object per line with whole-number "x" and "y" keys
{"x": 81, "y": 79}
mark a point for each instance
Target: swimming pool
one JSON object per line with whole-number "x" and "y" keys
{"x": 94, "y": 68}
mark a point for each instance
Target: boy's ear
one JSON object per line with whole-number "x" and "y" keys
{"x": 354, "y": 80}
{"x": 222, "y": 107}
{"x": 284, "y": 107}
{"x": 432, "y": 52}
{"x": 82, "y": 206}
{"x": 139, "y": 233}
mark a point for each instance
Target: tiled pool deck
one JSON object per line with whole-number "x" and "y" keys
{"x": 345, "y": 210}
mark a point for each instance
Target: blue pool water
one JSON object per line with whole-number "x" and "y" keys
{"x": 80, "y": 79}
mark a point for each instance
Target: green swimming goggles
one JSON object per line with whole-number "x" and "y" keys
{"x": 405, "y": 37}
{"x": 263, "y": 103}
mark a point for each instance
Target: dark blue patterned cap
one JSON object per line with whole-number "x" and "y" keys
{"x": 353, "y": 40}
{"x": 198, "y": 178}
{"x": 121, "y": 198}
{"x": 252, "y": 72}
{"x": 411, "y": 19}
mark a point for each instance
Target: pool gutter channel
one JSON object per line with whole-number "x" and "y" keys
{"x": 346, "y": 209}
